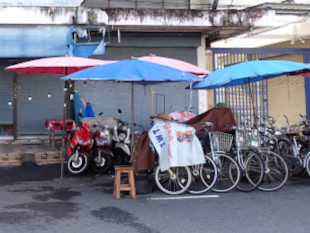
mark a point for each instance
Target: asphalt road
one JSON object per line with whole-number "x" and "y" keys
{"x": 34, "y": 199}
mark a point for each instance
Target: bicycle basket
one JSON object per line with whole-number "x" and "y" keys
{"x": 246, "y": 139}
{"x": 222, "y": 141}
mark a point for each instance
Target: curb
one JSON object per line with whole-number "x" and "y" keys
{"x": 10, "y": 160}
{"x": 40, "y": 158}
{"x": 14, "y": 159}
{"x": 49, "y": 157}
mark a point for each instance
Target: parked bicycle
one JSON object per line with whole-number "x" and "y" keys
{"x": 283, "y": 142}
{"x": 172, "y": 179}
{"x": 276, "y": 169}
{"x": 301, "y": 141}
{"x": 248, "y": 157}
{"x": 196, "y": 179}
{"x": 228, "y": 171}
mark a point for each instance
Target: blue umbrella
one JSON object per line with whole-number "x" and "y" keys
{"x": 251, "y": 71}
{"x": 133, "y": 71}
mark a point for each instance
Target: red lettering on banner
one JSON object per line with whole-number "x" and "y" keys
{"x": 167, "y": 126}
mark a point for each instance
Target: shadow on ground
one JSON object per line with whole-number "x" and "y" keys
{"x": 11, "y": 175}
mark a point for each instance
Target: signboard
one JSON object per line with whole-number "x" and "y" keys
{"x": 71, "y": 3}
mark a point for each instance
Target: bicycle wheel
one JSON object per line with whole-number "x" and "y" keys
{"x": 173, "y": 181}
{"x": 276, "y": 171}
{"x": 307, "y": 164}
{"x": 252, "y": 171}
{"x": 228, "y": 173}
{"x": 203, "y": 177}
{"x": 286, "y": 148}
{"x": 298, "y": 169}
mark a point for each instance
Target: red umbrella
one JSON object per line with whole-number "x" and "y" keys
{"x": 174, "y": 63}
{"x": 177, "y": 64}
{"x": 56, "y": 65}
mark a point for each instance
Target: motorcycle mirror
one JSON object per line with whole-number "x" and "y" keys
{"x": 100, "y": 113}
{"x": 119, "y": 110}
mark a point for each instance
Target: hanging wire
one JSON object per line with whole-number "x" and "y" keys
{"x": 29, "y": 96}
{"x": 49, "y": 94}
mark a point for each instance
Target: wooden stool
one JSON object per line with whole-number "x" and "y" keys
{"x": 118, "y": 187}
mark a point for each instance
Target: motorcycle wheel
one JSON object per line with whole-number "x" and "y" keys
{"x": 77, "y": 167}
{"x": 120, "y": 157}
{"x": 102, "y": 166}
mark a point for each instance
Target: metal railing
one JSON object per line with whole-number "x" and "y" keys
{"x": 165, "y": 4}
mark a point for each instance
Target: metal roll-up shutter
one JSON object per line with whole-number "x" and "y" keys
{"x": 107, "y": 97}
{"x": 187, "y": 54}
{"x": 148, "y": 4}
{"x": 176, "y": 4}
{"x": 6, "y": 96}
{"x": 31, "y": 115}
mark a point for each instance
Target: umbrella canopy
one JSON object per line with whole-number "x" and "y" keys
{"x": 251, "y": 71}
{"x": 55, "y": 65}
{"x": 133, "y": 70}
{"x": 174, "y": 63}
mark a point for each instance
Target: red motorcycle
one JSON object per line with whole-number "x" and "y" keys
{"x": 78, "y": 149}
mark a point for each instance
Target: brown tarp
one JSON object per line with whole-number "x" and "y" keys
{"x": 144, "y": 157}
{"x": 218, "y": 116}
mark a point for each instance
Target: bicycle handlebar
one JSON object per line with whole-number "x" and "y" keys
{"x": 207, "y": 124}
{"x": 231, "y": 126}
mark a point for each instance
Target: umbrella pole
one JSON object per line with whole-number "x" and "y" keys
{"x": 132, "y": 121}
{"x": 190, "y": 96}
{"x": 15, "y": 87}
{"x": 63, "y": 132}
{"x": 251, "y": 95}
{"x": 152, "y": 100}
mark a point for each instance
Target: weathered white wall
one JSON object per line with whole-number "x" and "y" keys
{"x": 51, "y": 15}
{"x": 145, "y": 17}
{"x": 294, "y": 31}
{"x": 40, "y": 2}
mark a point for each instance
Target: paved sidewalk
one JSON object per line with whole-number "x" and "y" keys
{"x": 35, "y": 199}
